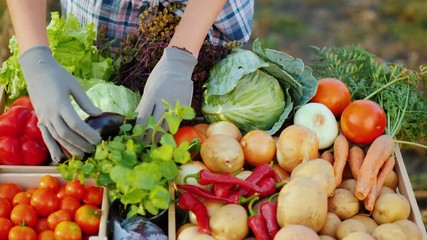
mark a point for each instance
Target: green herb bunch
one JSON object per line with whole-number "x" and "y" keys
{"x": 397, "y": 89}
{"x": 134, "y": 167}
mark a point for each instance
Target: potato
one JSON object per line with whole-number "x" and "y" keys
{"x": 222, "y": 153}
{"x": 389, "y": 231}
{"x": 211, "y": 206}
{"x": 326, "y": 237}
{"x": 203, "y": 237}
{"x": 348, "y": 226}
{"x": 296, "y": 143}
{"x": 410, "y": 229}
{"x": 370, "y": 223}
{"x": 358, "y": 236}
{"x": 296, "y": 232}
{"x": 302, "y": 201}
{"x": 230, "y": 222}
{"x": 343, "y": 203}
{"x": 390, "y": 208}
{"x": 188, "y": 231}
{"x": 331, "y": 225}
{"x": 391, "y": 180}
{"x": 320, "y": 170}
{"x": 349, "y": 184}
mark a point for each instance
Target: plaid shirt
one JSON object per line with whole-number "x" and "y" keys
{"x": 234, "y": 23}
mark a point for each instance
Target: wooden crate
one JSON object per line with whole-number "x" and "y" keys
{"x": 27, "y": 180}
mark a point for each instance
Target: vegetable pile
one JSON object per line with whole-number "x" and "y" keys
{"x": 52, "y": 209}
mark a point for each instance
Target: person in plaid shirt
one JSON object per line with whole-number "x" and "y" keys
{"x": 50, "y": 85}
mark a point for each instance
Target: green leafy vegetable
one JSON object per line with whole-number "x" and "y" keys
{"x": 257, "y": 89}
{"x": 394, "y": 87}
{"x": 110, "y": 98}
{"x": 137, "y": 173}
{"x": 72, "y": 45}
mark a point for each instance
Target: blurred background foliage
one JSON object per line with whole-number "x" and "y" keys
{"x": 393, "y": 30}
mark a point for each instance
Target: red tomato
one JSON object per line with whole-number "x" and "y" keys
{"x": 31, "y": 190}
{"x": 22, "y": 197}
{"x": 41, "y": 225}
{"x": 46, "y": 235}
{"x": 93, "y": 195}
{"x": 5, "y": 208}
{"x": 333, "y": 93}
{"x": 5, "y": 226}
{"x": 9, "y": 190}
{"x": 24, "y": 214}
{"x": 56, "y": 217}
{"x": 67, "y": 230}
{"x": 188, "y": 133}
{"x": 22, "y": 233}
{"x": 49, "y": 182}
{"x": 44, "y": 202}
{"x": 88, "y": 218}
{"x": 363, "y": 121}
{"x": 70, "y": 204}
{"x": 61, "y": 192}
{"x": 75, "y": 189}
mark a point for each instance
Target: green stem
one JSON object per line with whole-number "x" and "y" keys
{"x": 383, "y": 87}
{"x": 411, "y": 143}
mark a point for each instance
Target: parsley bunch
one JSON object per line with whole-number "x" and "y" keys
{"x": 133, "y": 166}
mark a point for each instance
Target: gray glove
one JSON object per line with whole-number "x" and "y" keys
{"x": 50, "y": 86}
{"x": 170, "y": 80}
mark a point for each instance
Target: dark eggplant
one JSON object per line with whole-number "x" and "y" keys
{"x": 108, "y": 123}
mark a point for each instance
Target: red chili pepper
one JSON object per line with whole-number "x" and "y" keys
{"x": 205, "y": 177}
{"x": 223, "y": 189}
{"x": 234, "y": 198}
{"x": 257, "y": 223}
{"x": 268, "y": 211}
{"x": 260, "y": 172}
{"x": 21, "y": 141}
{"x": 268, "y": 187}
{"x": 189, "y": 202}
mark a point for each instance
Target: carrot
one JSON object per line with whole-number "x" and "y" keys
{"x": 379, "y": 151}
{"x": 341, "y": 146}
{"x": 328, "y": 156}
{"x": 355, "y": 160}
{"x": 376, "y": 189}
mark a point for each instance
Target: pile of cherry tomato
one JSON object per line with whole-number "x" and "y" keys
{"x": 51, "y": 210}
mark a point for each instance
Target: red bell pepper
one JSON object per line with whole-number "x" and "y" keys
{"x": 21, "y": 141}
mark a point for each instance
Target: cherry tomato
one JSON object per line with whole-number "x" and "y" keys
{"x": 31, "y": 190}
{"x": 49, "y": 182}
{"x": 67, "y": 230}
{"x": 58, "y": 216}
{"x": 5, "y": 208}
{"x": 5, "y": 226}
{"x": 363, "y": 121}
{"x": 70, "y": 204}
{"x": 9, "y": 190}
{"x": 41, "y": 225}
{"x": 46, "y": 235}
{"x": 44, "y": 202}
{"x": 61, "y": 192}
{"x": 88, "y": 218}
{"x": 93, "y": 195}
{"x": 22, "y": 197}
{"x": 22, "y": 233}
{"x": 333, "y": 93}
{"x": 24, "y": 214}
{"x": 75, "y": 189}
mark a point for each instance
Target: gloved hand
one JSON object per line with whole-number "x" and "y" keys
{"x": 50, "y": 86}
{"x": 169, "y": 80}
